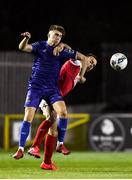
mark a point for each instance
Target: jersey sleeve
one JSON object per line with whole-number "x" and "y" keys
{"x": 36, "y": 46}
{"x": 68, "y": 53}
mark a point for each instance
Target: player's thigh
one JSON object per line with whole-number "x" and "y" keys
{"x": 46, "y": 111}
{"x": 60, "y": 108}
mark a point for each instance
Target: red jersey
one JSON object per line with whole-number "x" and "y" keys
{"x": 68, "y": 74}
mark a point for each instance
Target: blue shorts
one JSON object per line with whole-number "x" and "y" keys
{"x": 34, "y": 97}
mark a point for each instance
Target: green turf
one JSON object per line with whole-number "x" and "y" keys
{"x": 77, "y": 165}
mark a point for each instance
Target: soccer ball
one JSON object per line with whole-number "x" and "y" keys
{"x": 118, "y": 61}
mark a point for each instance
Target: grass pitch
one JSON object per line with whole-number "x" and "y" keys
{"x": 77, "y": 165}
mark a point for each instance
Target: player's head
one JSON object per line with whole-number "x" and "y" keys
{"x": 93, "y": 61}
{"x": 58, "y": 28}
{"x": 55, "y": 34}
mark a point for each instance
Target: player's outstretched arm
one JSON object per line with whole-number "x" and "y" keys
{"x": 23, "y": 45}
{"x": 60, "y": 48}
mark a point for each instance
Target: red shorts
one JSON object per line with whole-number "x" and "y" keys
{"x": 68, "y": 73}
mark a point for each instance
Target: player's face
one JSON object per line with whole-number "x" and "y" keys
{"x": 93, "y": 63}
{"x": 54, "y": 37}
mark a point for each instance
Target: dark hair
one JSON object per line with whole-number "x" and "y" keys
{"x": 58, "y": 28}
{"x": 90, "y": 54}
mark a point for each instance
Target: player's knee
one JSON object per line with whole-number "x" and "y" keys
{"x": 53, "y": 132}
{"x": 63, "y": 114}
{"x": 53, "y": 116}
{"x": 29, "y": 114}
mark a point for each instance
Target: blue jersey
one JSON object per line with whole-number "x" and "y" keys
{"x": 46, "y": 67}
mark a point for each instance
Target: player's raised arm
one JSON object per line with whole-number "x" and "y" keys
{"x": 23, "y": 45}
{"x": 60, "y": 48}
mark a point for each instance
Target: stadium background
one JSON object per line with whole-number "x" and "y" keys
{"x": 101, "y": 28}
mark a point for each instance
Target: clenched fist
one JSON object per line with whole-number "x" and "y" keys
{"x": 26, "y": 34}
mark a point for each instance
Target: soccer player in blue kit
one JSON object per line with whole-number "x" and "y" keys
{"x": 43, "y": 83}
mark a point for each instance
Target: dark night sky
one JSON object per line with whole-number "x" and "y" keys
{"x": 88, "y": 24}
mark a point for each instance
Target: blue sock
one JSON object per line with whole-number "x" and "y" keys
{"x": 62, "y": 126}
{"x": 24, "y": 132}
